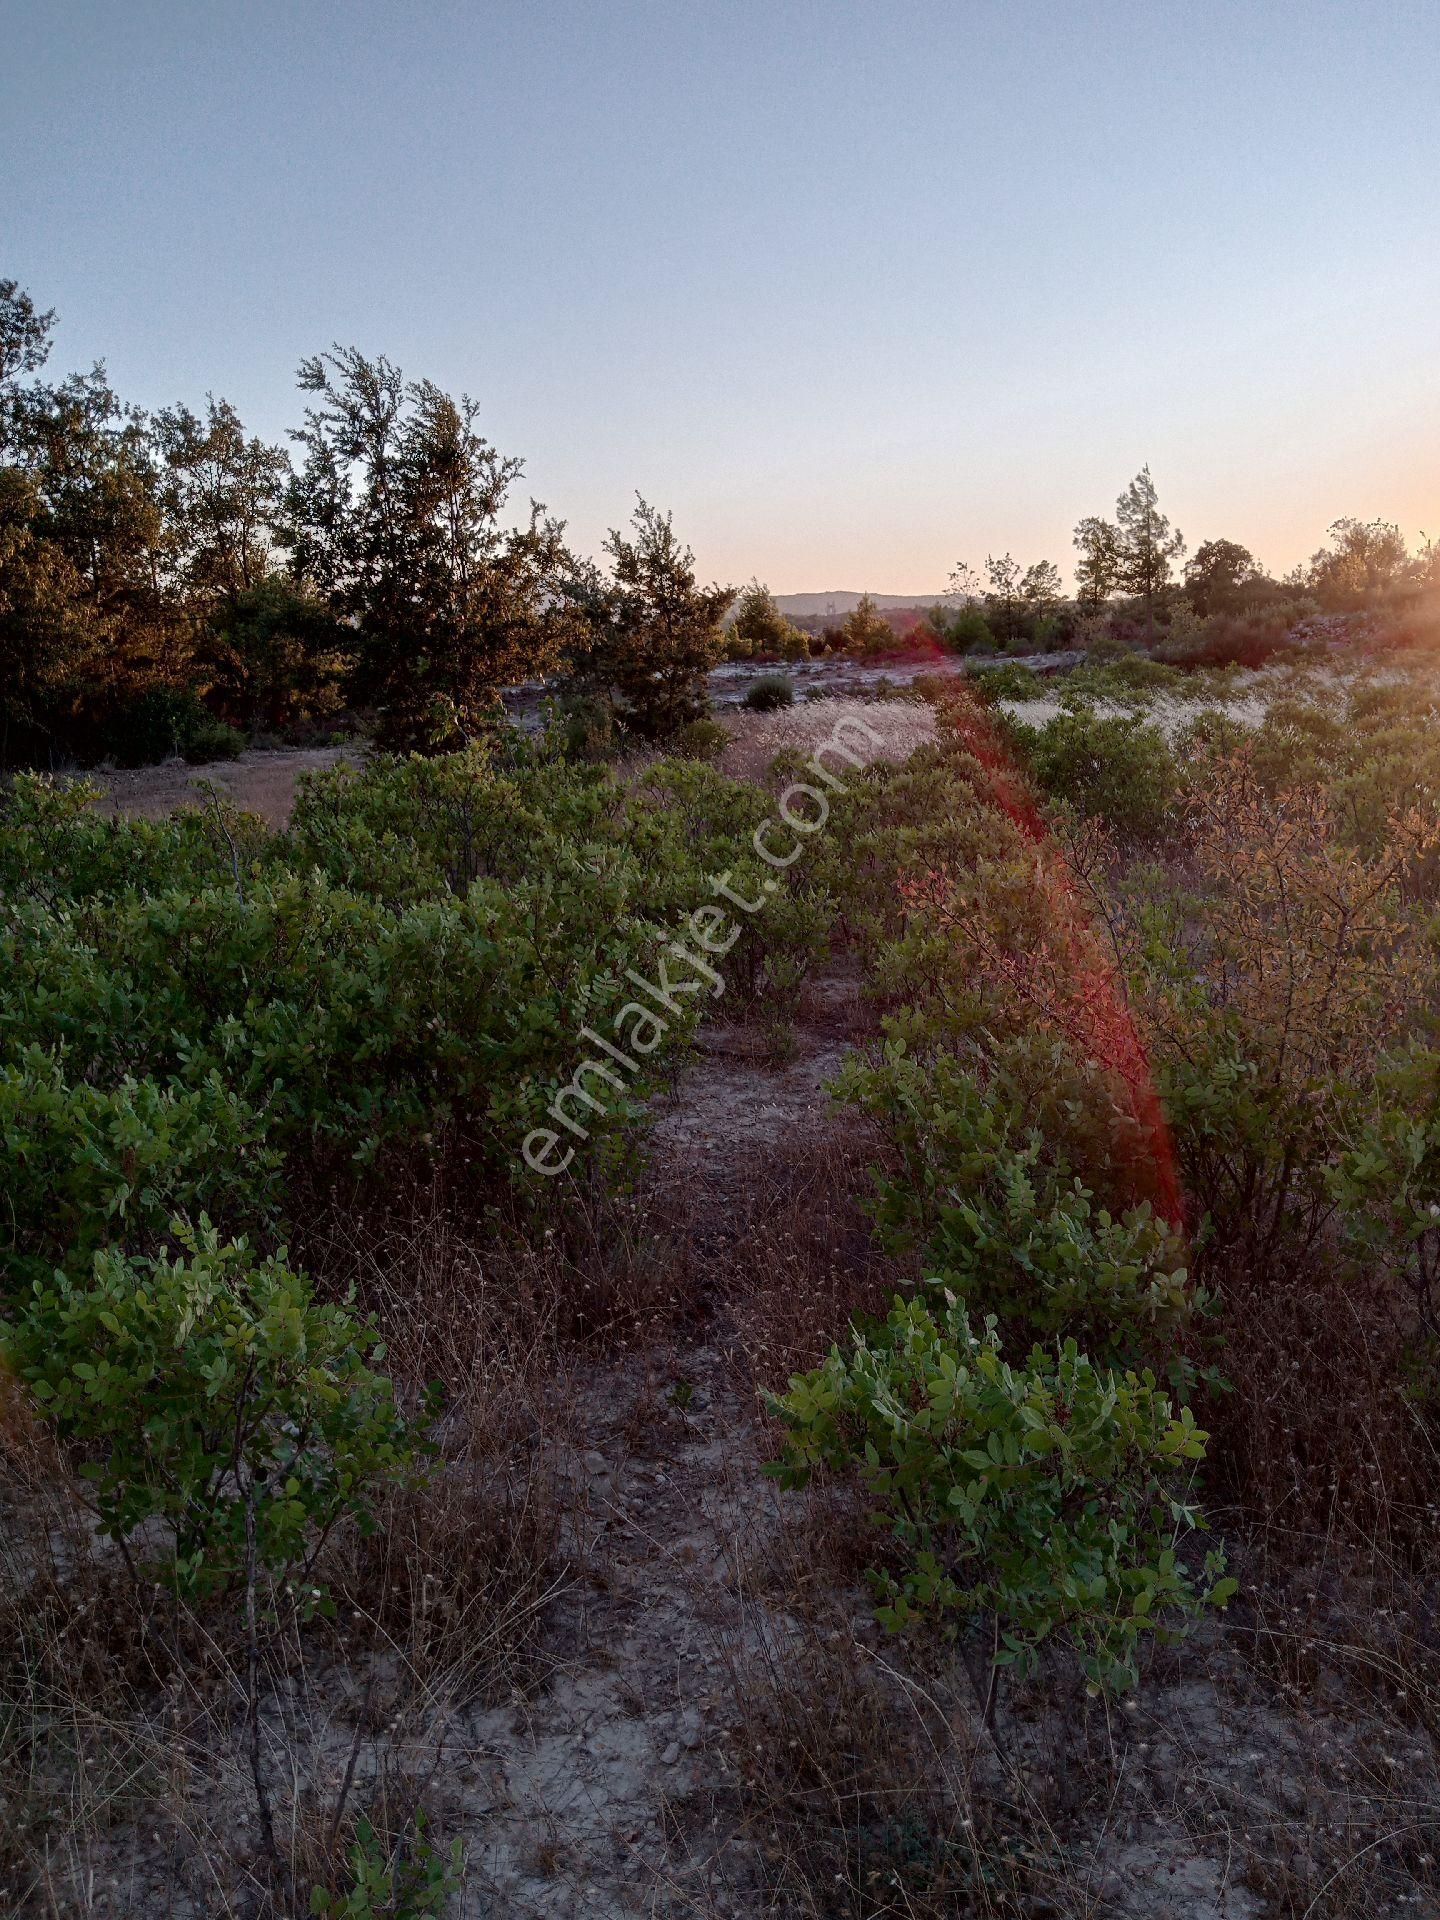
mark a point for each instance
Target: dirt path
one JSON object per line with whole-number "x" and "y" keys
{"x": 609, "y": 1790}
{"x": 259, "y": 781}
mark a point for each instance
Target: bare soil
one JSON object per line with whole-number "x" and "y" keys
{"x": 261, "y": 780}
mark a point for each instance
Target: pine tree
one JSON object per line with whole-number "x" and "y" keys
{"x": 651, "y": 631}
{"x": 1098, "y": 573}
{"x": 867, "y": 632}
{"x": 1146, "y": 544}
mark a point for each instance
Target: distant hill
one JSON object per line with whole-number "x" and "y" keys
{"x": 842, "y": 602}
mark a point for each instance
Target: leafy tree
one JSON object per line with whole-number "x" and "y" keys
{"x": 652, "y": 632}
{"x": 759, "y": 627}
{"x": 395, "y": 519}
{"x": 222, "y": 494}
{"x": 86, "y": 549}
{"x": 276, "y": 656}
{"x": 1216, "y": 573}
{"x": 968, "y": 631}
{"x": 1365, "y": 558}
{"x": 1425, "y": 567}
{"x": 46, "y": 634}
{"x": 963, "y": 584}
{"x": 1003, "y": 595}
{"x": 1041, "y": 589}
{"x": 1098, "y": 572}
{"x": 867, "y": 632}
{"x": 24, "y": 333}
{"x": 86, "y": 620}
{"x": 1146, "y": 544}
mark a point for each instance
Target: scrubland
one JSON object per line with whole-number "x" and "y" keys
{"x": 958, "y": 1437}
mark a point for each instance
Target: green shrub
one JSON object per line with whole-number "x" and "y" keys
{"x": 703, "y": 739}
{"x": 968, "y": 631}
{"x": 1008, "y": 682}
{"x": 1212, "y": 731}
{"x": 214, "y": 740}
{"x": 587, "y": 727}
{"x": 351, "y": 1022}
{"x": 417, "y": 953}
{"x": 163, "y": 722}
{"x": 411, "y": 1883}
{"x": 1051, "y": 1497}
{"x": 770, "y": 691}
{"x": 1123, "y": 680}
{"x": 56, "y": 845}
{"x": 1011, "y": 1232}
{"x": 1111, "y": 765}
{"x": 91, "y": 1167}
{"x": 212, "y": 1393}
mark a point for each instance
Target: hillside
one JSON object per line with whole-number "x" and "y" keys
{"x": 843, "y": 600}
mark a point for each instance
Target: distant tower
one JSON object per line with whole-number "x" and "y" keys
{"x": 829, "y": 609}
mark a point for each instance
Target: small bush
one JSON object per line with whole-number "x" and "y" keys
{"x": 1246, "y": 639}
{"x": 969, "y": 632}
{"x": 213, "y": 740}
{"x": 1211, "y": 732}
{"x": 1122, "y": 680}
{"x": 1008, "y": 682}
{"x": 1115, "y": 767}
{"x": 411, "y": 1883}
{"x": 587, "y": 727}
{"x": 1013, "y": 1233}
{"x": 1051, "y": 1496}
{"x": 160, "y": 724}
{"x": 702, "y": 739}
{"x": 770, "y": 691}
{"x": 212, "y": 1392}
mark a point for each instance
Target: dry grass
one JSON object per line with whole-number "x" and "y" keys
{"x": 1285, "y": 1765}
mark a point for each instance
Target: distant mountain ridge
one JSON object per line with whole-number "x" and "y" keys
{"x": 843, "y": 601}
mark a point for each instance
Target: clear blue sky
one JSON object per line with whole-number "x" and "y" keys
{"x": 857, "y": 289}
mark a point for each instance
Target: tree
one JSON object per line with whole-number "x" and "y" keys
{"x": 94, "y": 493}
{"x": 79, "y": 536}
{"x": 1146, "y": 544}
{"x": 24, "y": 333}
{"x": 1042, "y": 589}
{"x": 1216, "y": 572}
{"x": 222, "y": 495}
{"x": 395, "y": 519}
{"x": 759, "y": 627}
{"x": 276, "y": 656}
{"x": 867, "y": 632}
{"x": 651, "y": 633}
{"x": 963, "y": 584}
{"x": 1098, "y": 573}
{"x": 46, "y": 634}
{"x": 1365, "y": 558}
{"x": 1002, "y": 595}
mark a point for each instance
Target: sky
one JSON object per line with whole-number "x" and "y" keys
{"x": 857, "y": 290}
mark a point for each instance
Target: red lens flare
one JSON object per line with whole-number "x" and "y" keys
{"x": 1075, "y": 986}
